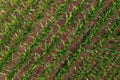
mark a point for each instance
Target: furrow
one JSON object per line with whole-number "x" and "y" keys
{"x": 43, "y": 34}
{"x": 54, "y": 42}
{"x": 100, "y": 21}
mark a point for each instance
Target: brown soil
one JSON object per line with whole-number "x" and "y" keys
{"x": 35, "y": 33}
{"x": 84, "y": 57}
{"x": 2, "y": 76}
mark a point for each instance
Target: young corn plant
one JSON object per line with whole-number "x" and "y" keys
{"x": 19, "y": 40}
{"x": 52, "y": 46}
{"x": 89, "y": 36}
{"x": 16, "y": 21}
{"x": 104, "y": 17}
{"x": 43, "y": 34}
{"x": 57, "y": 39}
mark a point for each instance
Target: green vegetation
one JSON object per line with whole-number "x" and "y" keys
{"x": 66, "y": 32}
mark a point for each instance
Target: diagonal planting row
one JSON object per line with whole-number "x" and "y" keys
{"x": 106, "y": 57}
{"x": 53, "y": 38}
{"x": 67, "y": 46}
{"x": 44, "y": 32}
{"x": 69, "y": 43}
{"x": 5, "y": 11}
{"x": 78, "y": 29}
{"x": 13, "y": 47}
{"x": 105, "y": 16}
{"x": 32, "y": 55}
{"x": 53, "y": 43}
{"x": 21, "y": 38}
{"x": 96, "y": 56}
{"x": 12, "y": 18}
{"x": 12, "y": 27}
{"x": 54, "y": 67}
{"x": 36, "y": 34}
{"x": 4, "y": 30}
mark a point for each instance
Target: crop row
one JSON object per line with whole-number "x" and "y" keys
{"x": 98, "y": 48}
{"x": 16, "y": 24}
{"x": 104, "y": 18}
{"x": 44, "y": 31}
{"x": 79, "y": 28}
{"x": 49, "y": 47}
{"x": 54, "y": 43}
{"x": 5, "y": 11}
{"x": 68, "y": 53}
{"x": 20, "y": 39}
{"x": 51, "y": 65}
{"x": 95, "y": 28}
{"x": 62, "y": 53}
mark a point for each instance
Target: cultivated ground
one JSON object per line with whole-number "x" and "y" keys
{"x": 59, "y": 39}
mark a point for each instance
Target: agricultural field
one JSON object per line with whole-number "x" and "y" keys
{"x": 59, "y": 39}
